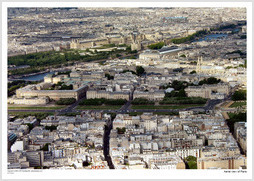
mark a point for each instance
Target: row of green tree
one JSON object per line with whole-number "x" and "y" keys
{"x": 223, "y": 27}
{"x": 36, "y": 69}
{"x": 41, "y": 60}
{"x": 190, "y": 37}
{"x": 24, "y": 71}
{"x": 44, "y": 58}
{"x": 142, "y": 101}
{"x": 156, "y": 46}
{"x": 100, "y": 101}
{"x": 66, "y": 101}
{"x": 183, "y": 100}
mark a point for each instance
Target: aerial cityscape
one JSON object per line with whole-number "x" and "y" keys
{"x": 127, "y": 88}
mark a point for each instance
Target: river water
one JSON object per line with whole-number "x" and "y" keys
{"x": 37, "y": 77}
{"x": 211, "y": 37}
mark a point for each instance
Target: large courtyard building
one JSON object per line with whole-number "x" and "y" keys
{"x": 32, "y": 91}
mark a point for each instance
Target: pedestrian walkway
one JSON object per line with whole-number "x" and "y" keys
{"x": 229, "y": 104}
{"x": 225, "y": 115}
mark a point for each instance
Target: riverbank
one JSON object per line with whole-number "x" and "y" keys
{"x": 38, "y": 76}
{"x": 27, "y": 75}
{"x": 211, "y": 37}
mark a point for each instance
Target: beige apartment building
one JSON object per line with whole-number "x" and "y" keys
{"x": 150, "y": 54}
{"x": 31, "y": 91}
{"x": 50, "y": 78}
{"x": 222, "y": 163}
{"x": 135, "y": 39}
{"x": 87, "y": 76}
{"x": 213, "y": 91}
{"x": 208, "y": 69}
{"x": 92, "y": 94}
{"x": 156, "y": 95}
{"x": 76, "y": 44}
{"x": 28, "y": 101}
{"x": 166, "y": 162}
{"x": 240, "y": 133}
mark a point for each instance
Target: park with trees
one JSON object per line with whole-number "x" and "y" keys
{"x": 41, "y": 61}
{"x": 239, "y": 95}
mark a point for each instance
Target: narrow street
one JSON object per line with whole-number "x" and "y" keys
{"x": 106, "y": 138}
